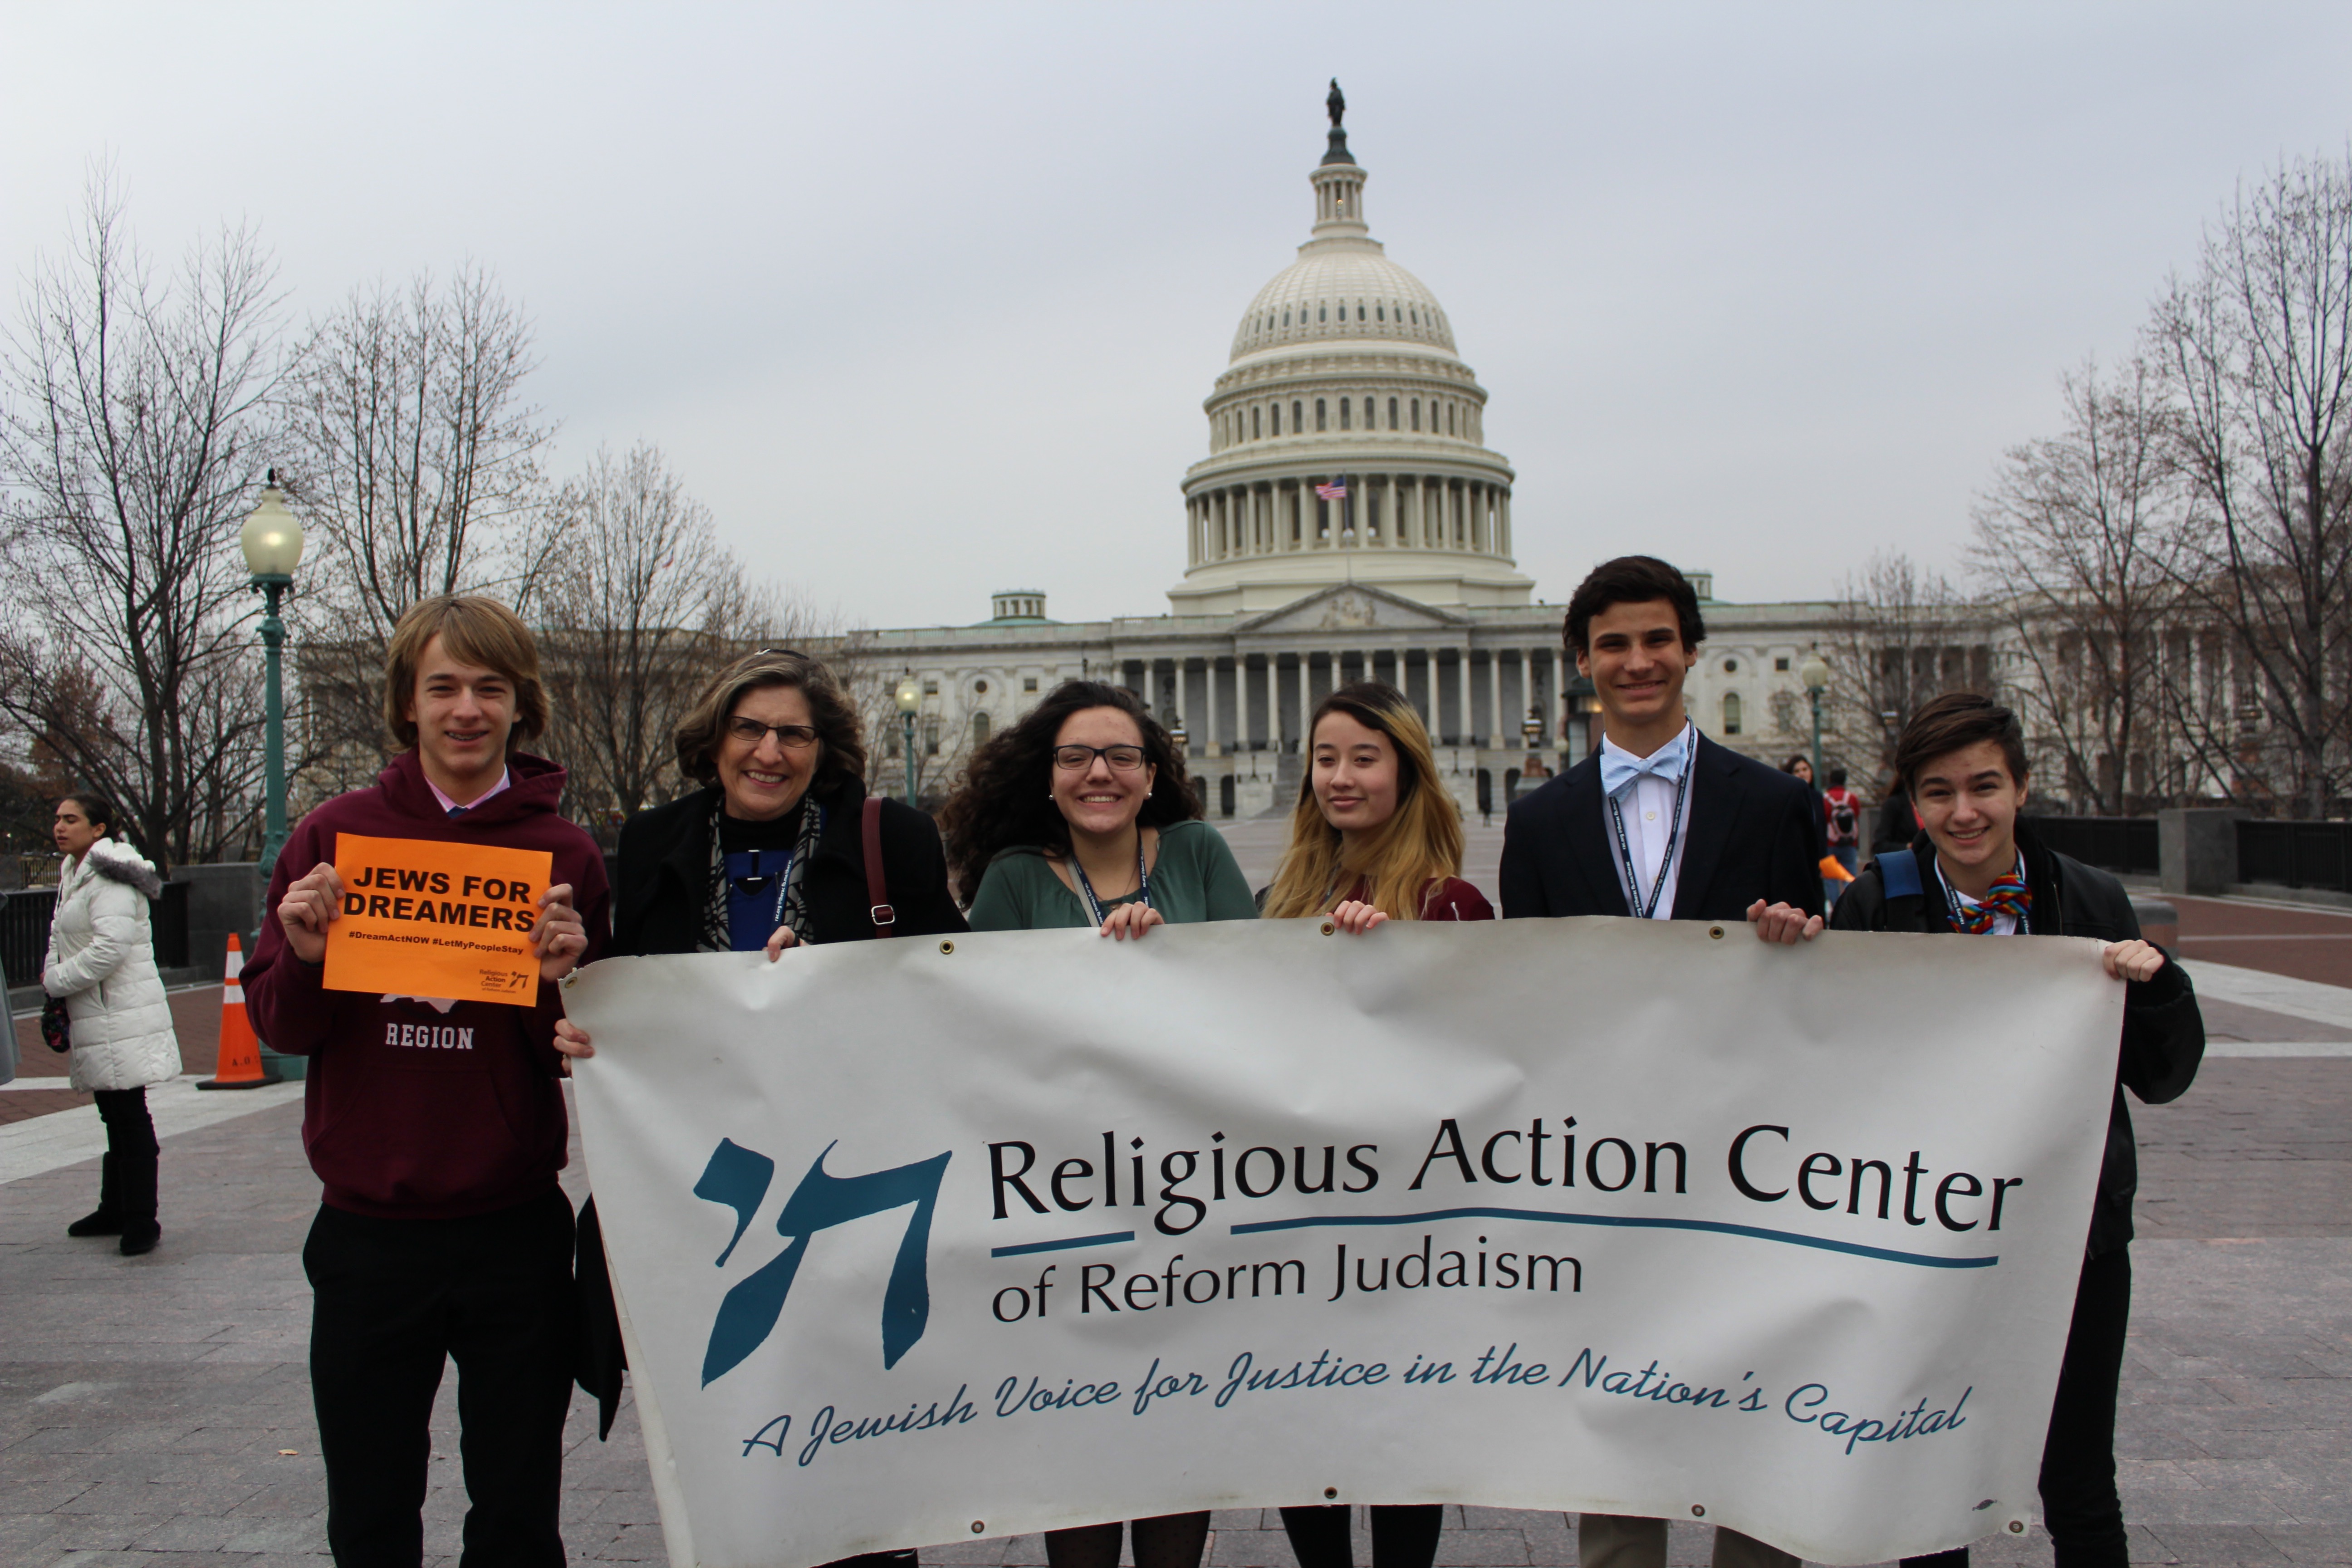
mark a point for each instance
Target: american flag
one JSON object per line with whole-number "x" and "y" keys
{"x": 1336, "y": 490}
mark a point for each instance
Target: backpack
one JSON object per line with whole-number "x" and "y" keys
{"x": 1844, "y": 825}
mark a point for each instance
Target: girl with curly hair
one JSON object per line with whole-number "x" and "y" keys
{"x": 1081, "y": 816}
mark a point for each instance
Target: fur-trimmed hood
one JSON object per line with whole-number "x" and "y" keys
{"x": 118, "y": 862}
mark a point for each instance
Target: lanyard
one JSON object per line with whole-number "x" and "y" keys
{"x": 1086, "y": 889}
{"x": 743, "y": 865}
{"x": 1642, "y": 912}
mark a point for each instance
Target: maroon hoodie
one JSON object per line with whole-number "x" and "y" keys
{"x": 416, "y": 1109}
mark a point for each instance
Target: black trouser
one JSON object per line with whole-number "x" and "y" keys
{"x": 132, "y": 1155}
{"x": 395, "y": 1299}
{"x": 2079, "y": 1505}
{"x": 1404, "y": 1535}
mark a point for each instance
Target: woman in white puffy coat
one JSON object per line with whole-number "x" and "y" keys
{"x": 102, "y": 963}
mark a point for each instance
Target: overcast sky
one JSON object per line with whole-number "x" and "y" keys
{"x": 923, "y": 299}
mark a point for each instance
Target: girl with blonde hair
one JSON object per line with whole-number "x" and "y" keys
{"x": 1375, "y": 837}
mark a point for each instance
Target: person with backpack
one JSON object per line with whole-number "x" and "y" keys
{"x": 1976, "y": 869}
{"x": 1842, "y": 821}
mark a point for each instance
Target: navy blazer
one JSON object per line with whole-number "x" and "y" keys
{"x": 1751, "y": 836}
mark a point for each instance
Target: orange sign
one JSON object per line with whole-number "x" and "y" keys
{"x": 423, "y": 918}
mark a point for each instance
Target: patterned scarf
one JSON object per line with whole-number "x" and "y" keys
{"x": 714, "y": 937}
{"x": 2008, "y": 896}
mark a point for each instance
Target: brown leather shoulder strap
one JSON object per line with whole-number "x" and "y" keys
{"x": 878, "y": 887}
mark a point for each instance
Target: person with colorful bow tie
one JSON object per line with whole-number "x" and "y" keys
{"x": 1976, "y": 869}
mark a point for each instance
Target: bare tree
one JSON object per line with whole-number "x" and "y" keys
{"x": 1902, "y": 634}
{"x": 2076, "y": 542}
{"x": 2257, "y": 351}
{"x": 644, "y": 605}
{"x": 416, "y": 461}
{"x": 135, "y": 426}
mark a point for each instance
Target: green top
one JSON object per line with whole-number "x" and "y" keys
{"x": 1192, "y": 878}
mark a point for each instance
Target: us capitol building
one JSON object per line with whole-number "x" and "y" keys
{"x": 1344, "y": 367}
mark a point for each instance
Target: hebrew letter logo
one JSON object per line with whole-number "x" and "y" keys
{"x": 739, "y": 1178}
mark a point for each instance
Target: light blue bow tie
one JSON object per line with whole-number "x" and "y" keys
{"x": 1618, "y": 771}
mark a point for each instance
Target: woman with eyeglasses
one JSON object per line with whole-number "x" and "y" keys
{"x": 1080, "y": 815}
{"x": 770, "y": 853}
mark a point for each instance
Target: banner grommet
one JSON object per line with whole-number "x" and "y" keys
{"x": 1698, "y": 1511}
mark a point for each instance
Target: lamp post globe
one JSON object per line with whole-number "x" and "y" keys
{"x": 1815, "y": 673}
{"x": 271, "y": 537}
{"x": 910, "y": 697}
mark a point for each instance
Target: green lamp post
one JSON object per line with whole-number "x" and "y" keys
{"x": 910, "y": 697}
{"x": 272, "y": 541}
{"x": 1815, "y": 673}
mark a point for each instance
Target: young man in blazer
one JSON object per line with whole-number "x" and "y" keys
{"x": 1663, "y": 824}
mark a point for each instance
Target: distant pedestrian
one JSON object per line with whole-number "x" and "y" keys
{"x": 1843, "y": 819}
{"x": 101, "y": 966}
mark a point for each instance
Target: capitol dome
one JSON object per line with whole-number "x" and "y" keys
{"x": 1346, "y": 436}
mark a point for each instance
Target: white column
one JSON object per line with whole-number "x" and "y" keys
{"x": 1183, "y": 716}
{"x": 1503, "y": 517}
{"x": 1494, "y": 699}
{"x": 1305, "y": 701}
{"x": 1556, "y": 719}
{"x": 1468, "y": 735}
{"x": 1209, "y": 707}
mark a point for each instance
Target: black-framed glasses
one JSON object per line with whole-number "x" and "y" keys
{"x": 1123, "y": 759}
{"x": 791, "y": 737}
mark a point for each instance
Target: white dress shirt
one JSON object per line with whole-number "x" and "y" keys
{"x": 1648, "y": 807}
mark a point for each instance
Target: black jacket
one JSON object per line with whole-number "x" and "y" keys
{"x": 664, "y": 873}
{"x": 2164, "y": 1032}
{"x": 1751, "y": 837}
{"x": 657, "y": 907}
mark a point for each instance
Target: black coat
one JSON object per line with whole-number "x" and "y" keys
{"x": 662, "y": 888}
{"x": 664, "y": 881}
{"x": 1751, "y": 836}
{"x": 2164, "y": 1032}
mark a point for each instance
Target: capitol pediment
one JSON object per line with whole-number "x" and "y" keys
{"x": 1348, "y": 606}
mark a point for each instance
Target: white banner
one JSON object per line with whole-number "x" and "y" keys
{"x": 919, "y": 1240}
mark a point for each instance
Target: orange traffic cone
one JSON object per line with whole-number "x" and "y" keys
{"x": 239, "y": 1063}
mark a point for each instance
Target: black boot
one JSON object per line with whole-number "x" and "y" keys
{"x": 107, "y": 1219}
{"x": 137, "y": 1179}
